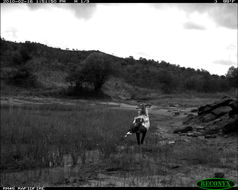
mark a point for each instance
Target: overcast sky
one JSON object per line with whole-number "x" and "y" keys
{"x": 190, "y": 35}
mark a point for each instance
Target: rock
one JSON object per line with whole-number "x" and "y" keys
{"x": 113, "y": 169}
{"x": 231, "y": 126}
{"x": 210, "y": 136}
{"x": 171, "y": 142}
{"x": 72, "y": 180}
{"x": 66, "y": 180}
{"x": 197, "y": 133}
{"x": 217, "y": 120}
{"x": 174, "y": 166}
{"x": 208, "y": 117}
{"x": 220, "y": 118}
{"x": 194, "y": 110}
{"x": 92, "y": 156}
{"x": 208, "y": 108}
{"x": 120, "y": 148}
{"x": 181, "y": 134}
{"x": 186, "y": 140}
{"x": 67, "y": 160}
{"x": 201, "y": 137}
{"x": 221, "y": 111}
{"x": 220, "y": 132}
{"x": 234, "y": 107}
{"x": 184, "y": 129}
{"x": 204, "y": 109}
{"x": 172, "y": 105}
{"x": 200, "y": 128}
{"x": 219, "y": 175}
{"x": 192, "y": 135}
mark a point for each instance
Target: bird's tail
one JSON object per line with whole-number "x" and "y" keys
{"x": 128, "y": 133}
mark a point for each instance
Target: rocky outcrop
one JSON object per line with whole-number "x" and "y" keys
{"x": 220, "y": 117}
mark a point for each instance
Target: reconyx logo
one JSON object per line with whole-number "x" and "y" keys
{"x": 215, "y": 183}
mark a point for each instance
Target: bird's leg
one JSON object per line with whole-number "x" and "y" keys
{"x": 143, "y": 136}
{"x": 138, "y": 138}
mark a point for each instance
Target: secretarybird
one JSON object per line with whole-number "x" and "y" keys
{"x": 141, "y": 123}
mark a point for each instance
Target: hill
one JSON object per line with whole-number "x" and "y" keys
{"x": 36, "y": 67}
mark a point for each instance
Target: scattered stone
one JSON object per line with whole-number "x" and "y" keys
{"x": 221, "y": 110}
{"x": 172, "y": 105}
{"x": 231, "y": 126}
{"x": 190, "y": 134}
{"x": 208, "y": 108}
{"x": 72, "y": 180}
{"x": 219, "y": 175}
{"x": 220, "y": 117}
{"x": 208, "y": 117}
{"x": 174, "y": 166}
{"x": 66, "y": 180}
{"x": 67, "y": 160}
{"x": 182, "y": 134}
{"x": 199, "y": 127}
{"x": 113, "y": 169}
{"x": 80, "y": 179}
{"x": 194, "y": 110}
{"x": 184, "y": 129}
{"x": 189, "y": 118}
{"x": 210, "y": 136}
{"x": 171, "y": 142}
{"x": 186, "y": 140}
{"x": 201, "y": 137}
{"x": 220, "y": 132}
{"x": 196, "y": 134}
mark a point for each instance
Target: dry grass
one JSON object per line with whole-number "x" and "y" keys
{"x": 37, "y": 135}
{"x": 30, "y": 134}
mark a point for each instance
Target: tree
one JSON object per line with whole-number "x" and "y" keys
{"x": 93, "y": 72}
{"x": 232, "y": 76}
{"x": 165, "y": 78}
{"x": 23, "y": 76}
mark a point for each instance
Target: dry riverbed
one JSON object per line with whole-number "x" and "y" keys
{"x": 166, "y": 159}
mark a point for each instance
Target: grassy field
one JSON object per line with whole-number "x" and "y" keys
{"x": 31, "y": 133}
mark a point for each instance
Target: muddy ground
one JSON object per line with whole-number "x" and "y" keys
{"x": 178, "y": 161}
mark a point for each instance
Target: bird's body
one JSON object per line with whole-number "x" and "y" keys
{"x": 140, "y": 124}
